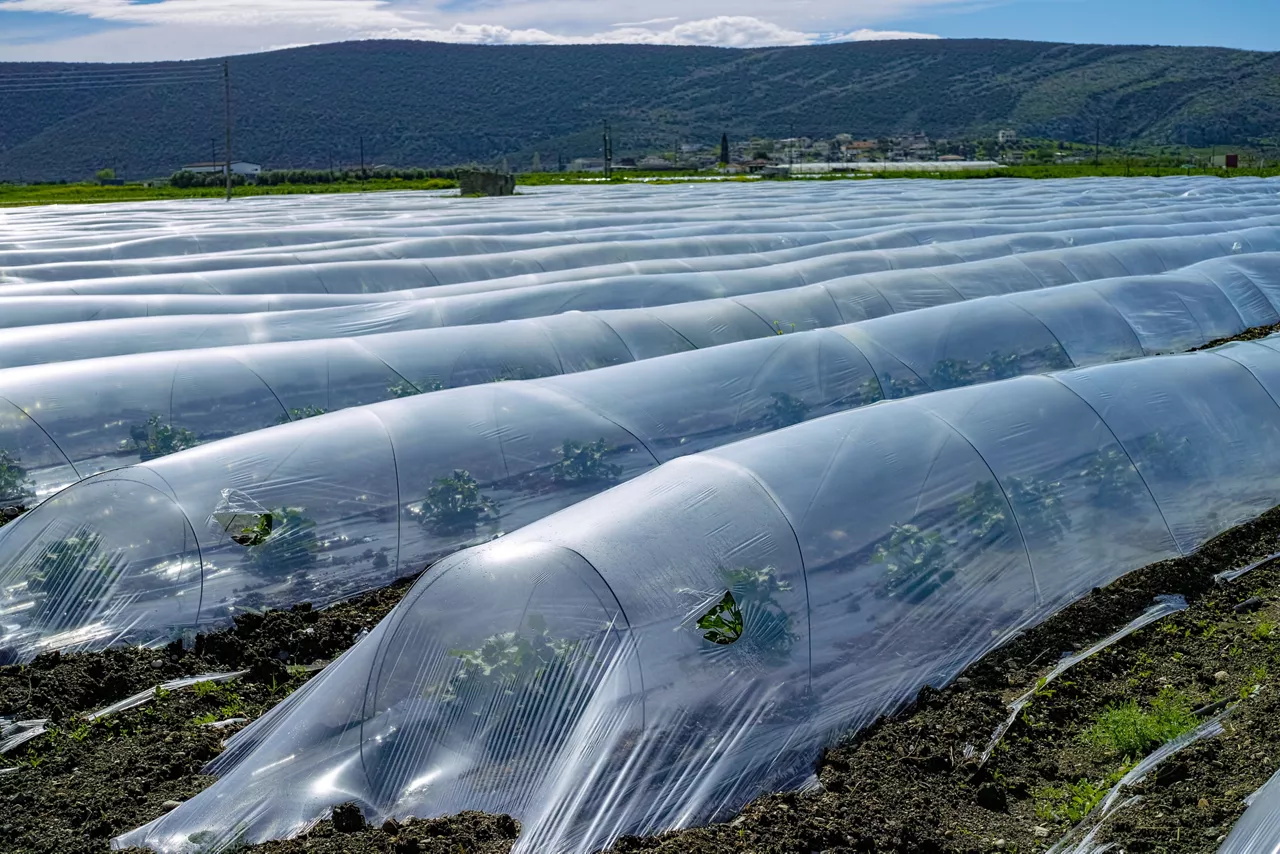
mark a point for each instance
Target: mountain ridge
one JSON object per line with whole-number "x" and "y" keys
{"x": 428, "y": 104}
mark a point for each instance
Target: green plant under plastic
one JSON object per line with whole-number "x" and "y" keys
{"x": 282, "y": 542}
{"x": 916, "y": 562}
{"x": 584, "y": 462}
{"x": 153, "y": 439}
{"x": 455, "y": 503}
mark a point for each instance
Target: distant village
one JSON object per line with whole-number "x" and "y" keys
{"x": 760, "y": 154}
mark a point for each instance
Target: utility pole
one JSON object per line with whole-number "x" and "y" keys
{"x": 226, "y": 83}
{"x": 213, "y": 150}
{"x": 608, "y": 152}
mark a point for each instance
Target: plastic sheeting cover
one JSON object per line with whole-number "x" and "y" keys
{"x": 661, "y": 652}
{"x": 83, "y": 417}
{"x": 190, "y": 539}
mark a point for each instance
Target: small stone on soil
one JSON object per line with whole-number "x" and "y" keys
{"x": 1221, "y": 676}
{"x": 1041, "y": 832}
{"x": 170, "y": 805}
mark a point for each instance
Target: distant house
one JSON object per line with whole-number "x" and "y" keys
{"x": 238, "y": 167}
{"x": 586, "y": 164}
{"x": 1007, "y": 136}
{"x": 1227, "y": 161}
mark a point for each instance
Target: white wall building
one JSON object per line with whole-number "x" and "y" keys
{"x": 238, "y": 167}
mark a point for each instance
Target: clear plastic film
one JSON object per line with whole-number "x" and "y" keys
{"x": 861, "y": 283}
{"x": 81, "y": 243}
{"x": 326, "y": 506}
{"x": 70, "y": 420}
{"x": 655, "y": 655}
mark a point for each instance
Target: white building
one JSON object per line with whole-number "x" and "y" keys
{"x": 1007, "y": 136}
{"x": 238, "y": 167}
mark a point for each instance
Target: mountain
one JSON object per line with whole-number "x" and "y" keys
{"x": 423, "y": 104}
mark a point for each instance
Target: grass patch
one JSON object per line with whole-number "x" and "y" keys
{"x": 1069, "y": 803}
{"x": 1130, "y": 731}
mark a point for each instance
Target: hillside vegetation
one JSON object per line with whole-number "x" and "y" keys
{"x": 419, "y": 103}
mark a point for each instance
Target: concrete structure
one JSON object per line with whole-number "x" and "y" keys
{"x": 1007, "y": 136}
{"x": 476, "y": 183}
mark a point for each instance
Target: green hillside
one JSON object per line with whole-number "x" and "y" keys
{"x": 418, "y": 103}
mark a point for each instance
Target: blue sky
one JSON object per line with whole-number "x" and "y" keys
{"x": 122, "y": 30}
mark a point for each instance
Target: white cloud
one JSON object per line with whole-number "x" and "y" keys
{"x": 185, "y": 29}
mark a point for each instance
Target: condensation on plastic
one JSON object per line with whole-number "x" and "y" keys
{"x": 361, "y": 496}
{"x": 69, "y": 420}
{"x": 661, "y": 652}
{"x": 862, "y": 283}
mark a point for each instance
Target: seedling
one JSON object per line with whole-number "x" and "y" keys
{"x": 785, "y": 410}
{"x": 404, "y": 388}
{"x": 455, "y": 503}
{"x": 15, "y": 485}
{"x": 916, "y": 563}
{"x": 952, "y": 373}
{"x": 749, "y": 613}
{"x": 1003, "y": 366}
{"x": 73, "y": 572}
{"x": 1037, "y": 508}
{"x": 297, "y": 414}
{"x": 510, "y": 661}
{"x": 723, "y": 623}
{"x": 584, "y": 462}
{"x": 153, "y": 439}
{"x": 1113, "y": 478}
{"x": 282, "y": 542}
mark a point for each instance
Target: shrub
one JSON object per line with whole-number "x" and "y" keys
{"x": 455, "y": 503}
{"x": 584, "y": 463}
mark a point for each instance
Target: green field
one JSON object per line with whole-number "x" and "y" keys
{"x": 73, "y": 194}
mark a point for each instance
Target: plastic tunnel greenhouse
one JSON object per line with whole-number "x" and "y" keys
{"x": 698, "y": 479}
{"x": 68, "y": 420}
{"x": 171, "y": 530}
{"x": 704, "y": 628}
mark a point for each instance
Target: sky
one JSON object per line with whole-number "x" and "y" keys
{"x": 147, "y": 30}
